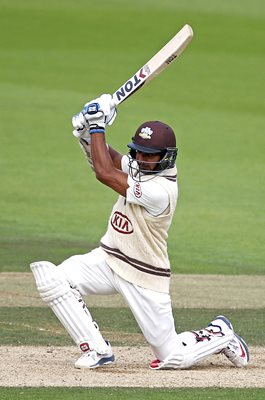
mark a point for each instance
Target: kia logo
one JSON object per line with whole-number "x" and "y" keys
{"x": 121, "y": 223}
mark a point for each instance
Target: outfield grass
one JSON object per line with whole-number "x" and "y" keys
{"x": 38, "y": 326}
{"x": 56, "y": 55}
{"x": 130, "y": 394}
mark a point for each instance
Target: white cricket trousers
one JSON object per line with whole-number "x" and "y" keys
{"x": 90, "y": 274}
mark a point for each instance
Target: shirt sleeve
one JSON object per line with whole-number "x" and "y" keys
{"x": 148, "y": 194}
{"x": 125, "y": 164}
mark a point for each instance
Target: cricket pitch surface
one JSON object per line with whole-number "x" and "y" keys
{"x": 54, "y": 366}
{"x": 44, "y": 366}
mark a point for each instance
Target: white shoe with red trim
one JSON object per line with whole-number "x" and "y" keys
{"x": 92, "y": 359}
{"x": 237, "y": 352}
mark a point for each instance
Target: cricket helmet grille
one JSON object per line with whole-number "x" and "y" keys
{"x": 155, "y": 137}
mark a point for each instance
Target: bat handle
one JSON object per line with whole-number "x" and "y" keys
{"x": 113, "y": 102}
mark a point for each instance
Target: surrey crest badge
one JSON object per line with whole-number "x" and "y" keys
{"x": 146, "y": 133}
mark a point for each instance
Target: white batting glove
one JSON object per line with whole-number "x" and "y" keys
{"x": 81, "y": 126}
{"x": 94, "y": 116}
{"x": 100, "y": 112}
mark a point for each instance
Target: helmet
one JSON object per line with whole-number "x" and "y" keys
{"x": 154, "y": 137}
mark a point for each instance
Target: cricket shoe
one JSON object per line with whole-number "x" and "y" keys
{"x": 92, "y": 359}
{"x": 221, "y": 324}
{"x": 237, "y": 350}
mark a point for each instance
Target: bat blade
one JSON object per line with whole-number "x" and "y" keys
{"x": 161, "y": 60}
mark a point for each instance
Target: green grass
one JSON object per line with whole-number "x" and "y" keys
{"x": 130, "y": 394}
{"x": 38, "y": 326}
{"x": 56, "y": 55}
{"x": 37, "y": 248}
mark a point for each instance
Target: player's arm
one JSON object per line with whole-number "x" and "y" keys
{"x": 85, "y": 144}
{"x": 104, "y": 166}
{"x": 116, "y": 157}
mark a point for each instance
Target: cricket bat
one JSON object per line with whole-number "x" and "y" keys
{"x": 161, "y": 60}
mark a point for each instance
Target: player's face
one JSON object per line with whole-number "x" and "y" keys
{"x": 148, "y": 161}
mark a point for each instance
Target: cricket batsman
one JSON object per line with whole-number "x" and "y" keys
{"x": 132, "y": 257}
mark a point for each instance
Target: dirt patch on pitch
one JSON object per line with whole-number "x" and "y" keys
{"x": 54, "y": 366}
{"x": 208, "y": 291}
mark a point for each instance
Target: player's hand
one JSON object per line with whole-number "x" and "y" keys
{"x": 94, "y": 116}
{"x": 100, "y": 112}
{"x": 81, "y": 126}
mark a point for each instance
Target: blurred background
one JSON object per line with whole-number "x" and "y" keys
{"x": 56, "y": 55}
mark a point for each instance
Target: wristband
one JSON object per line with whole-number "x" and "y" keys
{"x": 96, "y": 129}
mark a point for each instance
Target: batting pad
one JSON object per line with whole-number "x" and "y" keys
{"x": 190, "y": 351}
{"x": 56, "y": 291}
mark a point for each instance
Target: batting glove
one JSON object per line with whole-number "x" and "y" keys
{"x": 100, "y": 112}
{"x": 81, "y": 126}
{"x": 94, "y": 116}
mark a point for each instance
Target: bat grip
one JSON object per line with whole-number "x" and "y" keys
{"x": 113, "y": 102}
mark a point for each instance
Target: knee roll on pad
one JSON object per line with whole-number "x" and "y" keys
{"x": 50, "y": 283}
